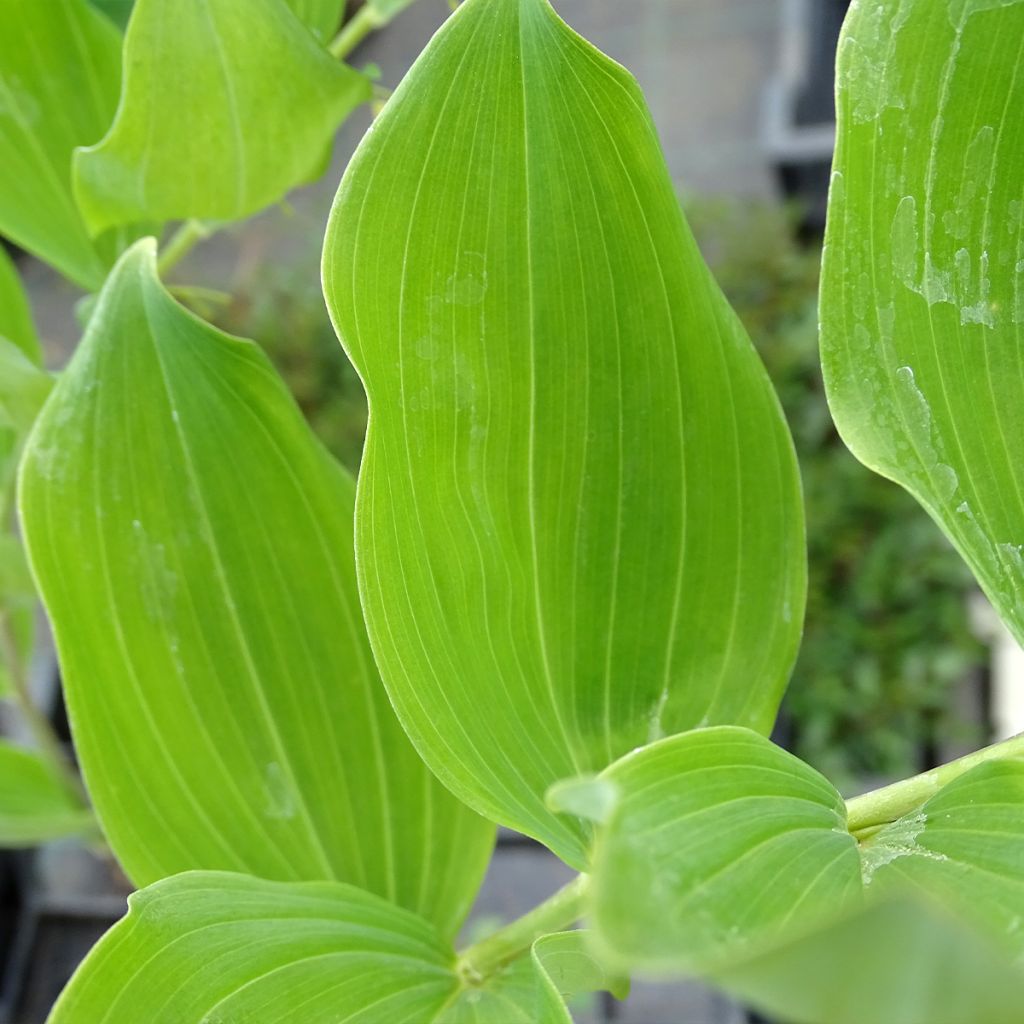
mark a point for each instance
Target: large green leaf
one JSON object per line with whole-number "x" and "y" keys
{"x": 579, "y": 519}
{"x": 892, "y": 963}
{"x": 214, "y": 948}
{"x": 15, "y": 315}
{"x": 716, "y": 840}
{"x": 35, "y": 806}
{"x": 246, "y": 101}
{"x": 60, "y": 74}
{"x": 193, "y": 546}
{"x": 963, "y": 847}
{"x": 922, "y": 304}
{"x": 217, "y": 948}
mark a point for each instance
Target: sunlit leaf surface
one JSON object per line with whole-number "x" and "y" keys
{"x": 60, "y": 73}
{"x": 579, "y": 523}
{"x": 922, "y": 304}
{"x": 193, "y": 546}
{"x": 215, "y": 948}
{"x": 246, "y": 101}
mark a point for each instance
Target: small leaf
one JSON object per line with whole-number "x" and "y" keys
{"x": 579, "y": 522}
{"x": 35, "y": 807}
{"x": 719, "y": 840}
{"x": 897, "y": 963}
{"x": 60, "y": 74}
{"x": 963, "y": 847}
{"x": 247, "y": 103}
{"x": 214, "y": 948}
{"x": 522, "y": 993}
{"x": 567, "y": 960}
{"x": 23, "y": 386}
{"x": 15, "y": 315}
{"x": 387, "y": 9}
{"x": 193, "y": 546}
{"x": 922, "y": 304}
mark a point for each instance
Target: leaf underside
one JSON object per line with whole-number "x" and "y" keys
{"x": 922, "y": 303}
{"x": 579, "y": 522}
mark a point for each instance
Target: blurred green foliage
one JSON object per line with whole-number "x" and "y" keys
{"x": 887, "y": 639}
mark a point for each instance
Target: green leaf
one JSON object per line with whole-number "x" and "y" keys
{"x": 23, "y": 386}
{"x": 522, "y": 993}
{"x": 897, "y": 963}
{"x": 719, "y": 840}
{"x": 580, "y": 525}
{"x": 567, "y": 959}
{"x": 118, "y": 11}
{"x": 60, "y": 74}
{"x": 922, "y": 304}
{"x": 217, "y": 948}
{"x": 322, "y": 17}
{"x": 15, "y": 315}
{"x": 222, "y": 949}
{"x": 34, "y": 805}
{"x": 962, "y": 847}
{"x": 193, "y": 546}
{"x": 247, "y": 103}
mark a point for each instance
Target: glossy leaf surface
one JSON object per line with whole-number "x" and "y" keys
{"x": 718, "y": 840}
{"x": 922, "y": 303}
{"x": 579, "y": 522}
{"x": 963, "y": 847}
{"x": 247, "y": 103}
{"x": 34, "y": 805}
{"x": 897, "y": 963}
{"x": 15, "y": 315}
{"x": 60, "y": 74}
{"x": 214, "y": 948}
{"x": 193, "y": 546}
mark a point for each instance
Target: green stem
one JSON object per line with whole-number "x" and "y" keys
{"x": 886, "y": 805}
{"x": 366, "y": 20}
{"x": 477, "y": 963}
{"x": 46, "y": 739}
{"x": 182, "y": 242}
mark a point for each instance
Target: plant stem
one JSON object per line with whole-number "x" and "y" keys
{"x": 181, "y": 243}
{"x": 477, "y": 963}
{"x": 885, "y": 805}
{"x": 46, "y": 739}
{"x": 366, "y": 20}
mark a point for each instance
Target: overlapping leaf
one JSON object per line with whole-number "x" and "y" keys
{"x": 579, "y": 523}
{"x": 894, "y": 962}
{"x": 922, "y": 304}
{"x": 322, "y": 17}
{"x": 60, "y": 74}
{"x": 215, "y": 948}
{"x": 35, "y": 806}
{"x": 964, "y": 848}
{"x": 246, "y": 102}
{"x": 15, "y": 316}
{"x": 716, "y": 840}
{"x": 218, "y": 948}
{"x": 193, "y": 546}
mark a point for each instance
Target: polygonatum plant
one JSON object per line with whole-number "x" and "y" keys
{"x": 565, "y": 593}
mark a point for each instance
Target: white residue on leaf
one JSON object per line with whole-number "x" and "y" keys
{"x": 919, "y": 427}
{"x": 280, "y": 800}
{"x": 894, "y": 841}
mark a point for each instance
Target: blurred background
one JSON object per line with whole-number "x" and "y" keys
{"x": 902, "y": 666}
